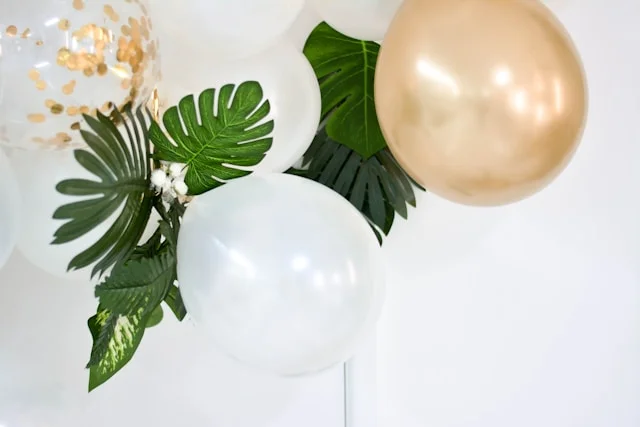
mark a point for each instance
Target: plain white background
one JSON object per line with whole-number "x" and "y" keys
{"x": 527, "y": 315}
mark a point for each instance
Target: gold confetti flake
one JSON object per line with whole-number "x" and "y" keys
{"x": 88, "y": 71}
{"x": 126, "y": 30}
{"x": 85, "y": 109}
{"x": 49, "y": 103}
{"x": 78, "y": 4}
{"x": 57, "y": 109}
{"x": 111, "y": 13}
{"x": 36, "y": 118}
{"x": 73, "y": 111}
{"x": 64, "y": 55}
{"x": 41, "y": 85}
{"x": 39, "y": 43}
{"x": 64, "y": 24}
{"x": 26, "y": 34}
{"x": 12, "y": 30}
{"x": 34, "y": 74}
{"x": 69, "y": 87}
{"x": 75, "y": 126}
{"x": 63, "y": 137}
{"x": 102, "y": 69}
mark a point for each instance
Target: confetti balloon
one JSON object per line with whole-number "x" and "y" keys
{"x": 64, "y": 58}
{"x": 9, "y": 209}
{"x": 282, "y": 273}
{"x": 483, "y": 102}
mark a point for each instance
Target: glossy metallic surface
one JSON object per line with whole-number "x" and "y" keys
{"x": 482, "y": 101}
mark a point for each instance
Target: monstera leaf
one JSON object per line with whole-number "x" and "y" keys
{"x": 345, "y": 68}
{"x": 225, "y": 132}
{"x": 120, "y": 164}
{"x": 377, "y": 186}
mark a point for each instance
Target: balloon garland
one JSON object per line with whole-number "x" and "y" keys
{"x": 258, "y": 213}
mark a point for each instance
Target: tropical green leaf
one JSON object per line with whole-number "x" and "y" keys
{"x": 156, "y": 317}
{"x": 115, "y": 341}
{"x": 345, "y": 68}
{"x": 120, "y": 163}
{"x": 377, "y": 186}
{"x": 175, "y": 303}
{"x": 226, "y": 131}
{"x": 138, "y": 286}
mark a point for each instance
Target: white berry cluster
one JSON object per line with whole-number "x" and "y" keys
{"x": 168, "y": 180}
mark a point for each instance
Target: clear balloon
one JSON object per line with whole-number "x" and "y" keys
{"x": 9, "y": 209}
{"x": 64, "y": 58}
{"x": 482, "y": 102}
{"x": 225, "y": 29}
{"x": 360, "y": 19}
{"x": 288, "y": 82}
{"x": 281, "y": 272}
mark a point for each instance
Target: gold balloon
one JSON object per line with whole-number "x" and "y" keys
{"x": 483, "y": 102}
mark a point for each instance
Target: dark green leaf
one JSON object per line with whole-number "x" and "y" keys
{"x": 115, "y": 341}
{"x": 377, "y": 186}
{"x": 121, "y": 169}
{"x": 138, "y": 286}
{"x": 226, "y": 131}
{"x": 156, "y": 317}
{"x": 345, "y": 68}
{"x": 175, "y": 303}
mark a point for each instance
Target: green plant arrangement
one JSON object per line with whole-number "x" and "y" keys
{"x": 211, "y": 138}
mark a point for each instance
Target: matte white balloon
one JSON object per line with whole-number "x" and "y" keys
{"x": 304, "y": 25}
{"x": 61, "y": 58}
{"x": 360, "y": 19}
{"x": 225, "y": 29}
{"x": 281, "y": 272}
{"x": 288, "y": 82}
{"x": 9, "y": 209}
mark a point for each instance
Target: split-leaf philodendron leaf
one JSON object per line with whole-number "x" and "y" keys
{"x": 345, "y": 68}
{"x": 226, "y": 131}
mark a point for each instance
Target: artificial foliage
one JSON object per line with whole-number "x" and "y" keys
{"x": 122, "y": 168}
{"x": 345, "y": 68}
{"x": 214, "y": 136}
{"x": 215, "y": 144}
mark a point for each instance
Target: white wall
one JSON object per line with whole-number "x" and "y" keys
{"x": 529, "y": 315}
{"x": 174, "y": 379}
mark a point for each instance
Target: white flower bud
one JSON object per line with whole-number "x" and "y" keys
{"x": 175, "y": 169}
{"x": 180, "y": 187}
{"x": 158, "y": 178}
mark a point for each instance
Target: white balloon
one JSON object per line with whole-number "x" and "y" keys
{"x": 281, "y": 272}
{"x": 9, "y": 209}
{"x": 288, "y": 82}
{"x": 360, "y": 19}
{"x": 304, "y": 25}
{"x": 63, "y": 58}
{"x": 226, "y": 29}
